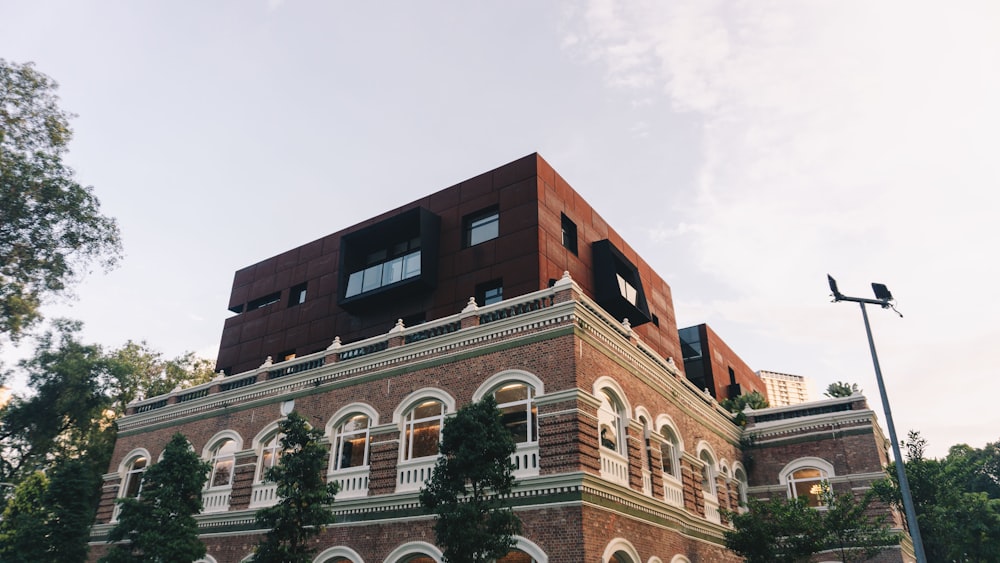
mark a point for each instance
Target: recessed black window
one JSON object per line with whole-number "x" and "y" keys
{"x": 618, "y": 285}
{"x": 386, "y": 266}
{"x": 481, "y": 226}
{"x": 568, "y": 233}
{"x": 297, "y": 295}
{"x": 490, "y": 292}
{"x": 264, "y": 301}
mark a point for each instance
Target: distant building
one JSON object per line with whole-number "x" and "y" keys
{"x": 711, "y": 364}
{"x": 507, "y": 285}
{"x": 785, "y": 389}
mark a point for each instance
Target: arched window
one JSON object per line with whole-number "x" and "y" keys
{"x": 620, "y": 550}
{"x": 352, "y": 440}
{"x": 515, "y": 400}
{"x": 223, "y": 460}
{"x": 670, "y": 455}
{"x": 422, "y": 426}
{"x": 270, "y": 455}
{"x": 707, "y": 472}
{"x": 610, "y": 419}
{"x": 415, "y": 552}
{"x": 741, "y": 483}
{"x": 338, "y": 554}
{"x": 807, "y": 483}
{"x": 132, "y": 479}
{"x": 804, "y": 478}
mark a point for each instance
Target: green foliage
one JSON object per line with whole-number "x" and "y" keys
{"x": 303, "y": 508}
{"x": 471, "y": 484}
{"x": 51, "y": 227}
{"x": 841, "y": 389}
{"x": 48, "y": 520}
{"x": 160, "y": 525}
{"x": 66, "y": 415}
{"x": 852, "y": 530}
{"x": 786, "y": 531}
{"x": 23, "y": 523}
{"x": 736, "y": 405}
{"x": 79, "y": 390}
{"x": 776, "y": 531}
{"x": 956, "y": 500}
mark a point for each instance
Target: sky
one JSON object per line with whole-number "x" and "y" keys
{"x": 745, "y": 149}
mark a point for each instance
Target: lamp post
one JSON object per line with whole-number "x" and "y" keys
{"x": 883, "y": 298}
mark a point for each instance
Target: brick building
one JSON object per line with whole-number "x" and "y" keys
{"x": 506, "y": 284}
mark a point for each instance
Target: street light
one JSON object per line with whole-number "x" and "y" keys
{"x": 883, "y": 298}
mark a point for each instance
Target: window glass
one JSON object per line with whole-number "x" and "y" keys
{"x": 372, "y": 279}
{"x": 518, "y": 412}
{"x": 270, "y": 455}
{"x": 569, "y": 234}
{"x": 411, "y": 265}
{"x": 392, "y": 271}
{"x": 423, "y": 429}
{"x": 222, "y": 464}
{"x": 627, "y": 290}
{"x": 669, "y": 453}
{"x": 807, "y": 482}
{"x": 354, "y": 284}
{"x": 352, "y": 441}
{"x": 482, "y": 227}
{"x": 493, "y": 295}
{"x": 707, "y": 472}
{"x": 609, "y": 418}
{"x": 133, "y": 478}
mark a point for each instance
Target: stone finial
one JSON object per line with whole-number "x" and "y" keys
{"x": 566, "y": 279}
{"x": 220, "y": 375}
{"x": 471, "y": 306}
{"x": 670, "y": 361}
{"x": 267, "y": 363}
{"x": 335, "y": 345}
{"x": 400, "y": 327}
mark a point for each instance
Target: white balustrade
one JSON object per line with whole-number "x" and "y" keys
{"x": 647, "y": 482}
{"x": 263, "y": 494}
{"x": 614, "y": 467}
{"x": 712, "y": 508}
{"x": 673, "y": 492}
{"x": 352, "y": 482}
{"x": 216, "y": 500}
{"x": 412, "y": 474}
{"x": 525, "y": 460}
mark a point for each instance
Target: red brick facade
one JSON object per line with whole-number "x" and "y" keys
{"x": 623, "y": 458}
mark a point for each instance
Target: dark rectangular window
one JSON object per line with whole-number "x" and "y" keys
{"x": 386, "y": 266}
{"x": 297, "y": 295}
{"x": 489, "y": 293}
{"x": 568, "y": 233}
{"x": 481, "y": 226}
{"x": 264, "y": 301}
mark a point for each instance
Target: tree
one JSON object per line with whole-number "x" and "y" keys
{"x": 471, "y": 484}
{"x": 79, "y": 390}
{"x": 788, "y": 531}
{"x": 23, "y": 523}
{"x": 160, "y": 525}
{"x": 778, "y": 531}
{"x": 841, "y": 389}
{"x": 852, "y": 528}
{"x": 754, "y": 400}
{"x": 303, "y": 508}
{"x": 51, "y": 227}
{"x": 954, "y": 499}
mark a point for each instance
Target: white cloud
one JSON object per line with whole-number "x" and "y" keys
{"x": 850, "y": 137}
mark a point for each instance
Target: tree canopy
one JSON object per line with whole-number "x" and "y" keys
{"x": 789, "y": 530}
{"x": 754, "y": 400}
{"x": 956, "y": 499}
{"x": 841, "y": 389}
{"x": 159, "y": 525}
{"x": 51, "y": 227}
{"x": 470, "y": 487}
{"x": 305, "y": 497}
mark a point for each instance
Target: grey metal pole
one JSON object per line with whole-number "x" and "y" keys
{"x": 904, "y": 484}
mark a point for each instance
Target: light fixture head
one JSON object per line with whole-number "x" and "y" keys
{"x": 881, "y": 292}
{"x": 833, "y": 287}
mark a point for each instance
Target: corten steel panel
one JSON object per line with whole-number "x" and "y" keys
{"x": 528, "y": 252}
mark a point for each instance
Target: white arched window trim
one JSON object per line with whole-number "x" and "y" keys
{"x": 605, "y": 382}
{"x": 622, "y": 545}
{"x": 824, "y": 467}
{"x": 343, "y": 412}
{"x": 531, "y": 548}
{"x": 507, "y": 376}
{"x": 680, "y": 559}
{"x": 339, "y": 551}
{"x": 206, "y": 452}
{"x": 419, "y": 396}
{"x": 126, "y": 462}
{"x": 408, "y": 549}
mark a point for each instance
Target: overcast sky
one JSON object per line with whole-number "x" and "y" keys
{"x": 745, "y": 149}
